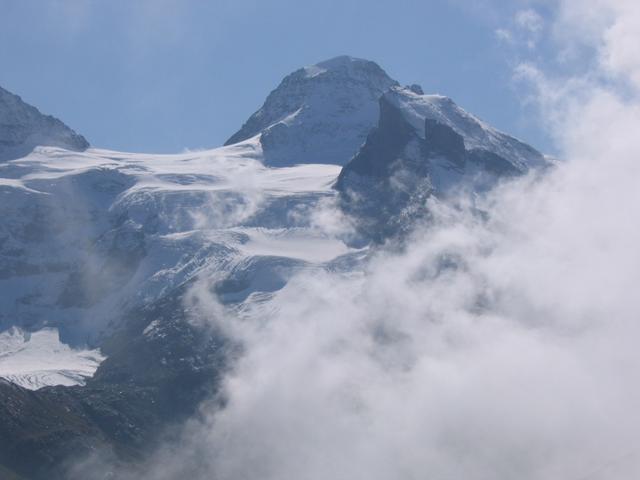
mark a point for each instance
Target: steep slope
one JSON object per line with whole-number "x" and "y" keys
{"x": 424, "y": 145}
{"x": 318, "y": 114}
{"x": 477, "y": 135}
{"x": 23, "y": 127}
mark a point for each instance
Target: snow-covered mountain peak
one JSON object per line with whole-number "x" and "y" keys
{"x": 23, "y": 127}
{"x": 355, "y": 68}
{"x": 341, "y": 61}
{"x": 320, "y": 113}
{"x": 424, "y": 145}
{"x": 417, "y": 107}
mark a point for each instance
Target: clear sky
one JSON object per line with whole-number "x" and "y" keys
{"x": 166, "y": 75}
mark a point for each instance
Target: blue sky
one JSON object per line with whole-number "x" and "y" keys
{"x": 165, "y": 75}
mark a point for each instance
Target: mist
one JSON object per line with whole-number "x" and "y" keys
{"x": 500, "y": 343}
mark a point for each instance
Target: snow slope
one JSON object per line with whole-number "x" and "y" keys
{"x": 318, "y": 114}
{"x": 35, "y": 360}
{"x": 88, "y": 236}
{"x": 416, "y": 107}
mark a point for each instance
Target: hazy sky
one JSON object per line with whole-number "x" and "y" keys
{"x": 165, "y": 75}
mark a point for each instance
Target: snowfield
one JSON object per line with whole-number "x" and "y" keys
{"x": 90, "y": 235}
{"x": 35, "y": 360}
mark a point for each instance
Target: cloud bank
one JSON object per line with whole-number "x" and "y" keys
{"x": 496, "y": 346}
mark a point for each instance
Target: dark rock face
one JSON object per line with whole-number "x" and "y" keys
{"x": 385, "y": 187}
{"x": 159, "y": 369}
{"x": 444, "y": 141}
{"x": 492, "y": 163}
{"x": 384, "y": 144}
{"x": 415, "y": 88}
{"x": 388, "y": 174}
{"x": 23, "y": 127}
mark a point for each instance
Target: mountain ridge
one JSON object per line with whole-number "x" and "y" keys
{"x": 23, "y": 127}
{"x": 108, "y": 247}
{"x": 423, "y": 145}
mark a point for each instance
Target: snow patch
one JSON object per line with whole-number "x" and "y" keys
{"x": 40, "y": 359}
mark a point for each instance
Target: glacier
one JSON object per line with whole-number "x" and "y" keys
{"x": 100, "y": 249}
{"x": 39, "y": 359}
{"x": 89, "y": 234}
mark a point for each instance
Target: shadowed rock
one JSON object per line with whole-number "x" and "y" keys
{"x": 23, "y": 127}
{"x": 421, "y": 147}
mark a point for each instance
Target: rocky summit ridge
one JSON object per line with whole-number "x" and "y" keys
{"x": 23, "y": 127}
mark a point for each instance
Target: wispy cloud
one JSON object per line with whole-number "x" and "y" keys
{"x": 524, "y": 29}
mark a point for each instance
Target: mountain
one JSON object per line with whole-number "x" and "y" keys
{"x": 154, "y": 378}
{"x": 424, "y": 145}
{"x": 115, "y": 266}
{"x": 107, "y": 248}
{"x": 318, "y": 114}
{"x": 23, "y": 127}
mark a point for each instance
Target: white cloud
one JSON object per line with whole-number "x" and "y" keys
{"x": 504, "y": 35}
{"x": 523, "y": 31}
{"x": 611, "y": 26}
{"x": 489, "y": 349}
{"x": 529, "y": 20}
